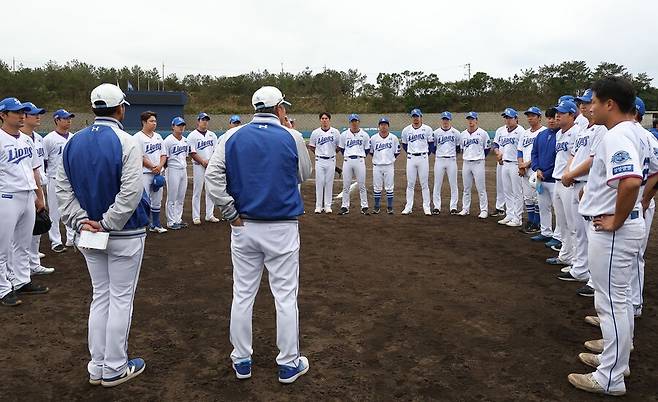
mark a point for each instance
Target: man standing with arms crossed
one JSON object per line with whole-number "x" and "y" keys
{"x": 446, "y": 142}
{"x": 417, "y": 141}
{"x": 385, "y": 148}
{"x": 264, "y": 226}
{"x": 323, "y": 143}
{"x": 202, "y": 144}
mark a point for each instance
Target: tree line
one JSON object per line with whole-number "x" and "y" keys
{"x": 55, "y": 85}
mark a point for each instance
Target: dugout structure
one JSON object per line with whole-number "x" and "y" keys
{"x": 167, "y": 104}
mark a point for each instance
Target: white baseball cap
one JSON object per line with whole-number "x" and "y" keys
{"x": 268, "y": 97}
{"x": 107, "y": 95}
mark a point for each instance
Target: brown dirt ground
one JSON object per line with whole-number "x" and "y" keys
{"x": 392, "y": 307}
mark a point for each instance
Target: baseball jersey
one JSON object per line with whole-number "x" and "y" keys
{"x": 563, "y": 146}
{"x": 617, "y": 156}
{"x": 473, "y": 144}
{"x": 384, "y": 150}
{"x": 508, "y": 142}
{"x": 526, "y": 141}
{"x": 581, "y": 121}
{"x": 325, "y": 142}
{"x": 151, "y": 148}
{"x": 446, "y": 141}
{"x": 37, "y": 140}
{"x": 354, "y": 144}
{"x": 17, "y": 163}
{"x": 202, "y": 144}
{"x": 53, "y": 146}
{"x": 649, "y": 149}
{"x": 584, "y": 145}
{"x": 176, "y": 151}
{"x": 417, "y": 139}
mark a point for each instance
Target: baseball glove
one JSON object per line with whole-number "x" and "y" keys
{"x": 42, "y": 223}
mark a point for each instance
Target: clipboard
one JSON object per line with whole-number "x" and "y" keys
{"x": 96, "y": 241}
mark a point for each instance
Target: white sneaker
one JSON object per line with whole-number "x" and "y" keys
{"x": 158, "y": 229}
{"x": 483, "y": 215}
{"x": 328, "y": 211}
{"x": 504, "y": 221}
{"x": 41, "y": 270}
{"x": 463, "y": 212}
{"x": 196, "y": 221}
{"x": 566, "y": 269}
{"x": 514, "y": 223}
{"x": 42, "y": 255}
{"x": 406, "y": 212}
{"x": 69, "y": 244}
{"x": 318, "y": 210}
{"x": 427, "y": 211}
{"x": 212, "y": 219}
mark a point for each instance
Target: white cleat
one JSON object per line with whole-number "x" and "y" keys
{"x": 318, "y": 210}
{"x": 514, "y": 224}
{"x": 504, "y": 221}
{"x": 41, "y": 270}
{"x": 406, "y": 212}
{"x": 328, "y": 211}
{"x": 463, "y": 212}
{"x": 427, "y": 211}
{"x": 483, "y": 215}
{"x": 158, "y": 229}
{"x": 566, "y": 269}
{"x": 196, "y": 221}
{"x": 212, "y": 219}
{"x": 42, "y": 255}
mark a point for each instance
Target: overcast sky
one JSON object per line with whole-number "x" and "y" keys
{"x": 234, "y": 37}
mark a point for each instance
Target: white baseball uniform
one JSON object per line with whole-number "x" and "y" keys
{"x": 152, "y": 149}
{"x": 524, "y": 151}
{"x": 324, "y": 144}
{"x": 500, "y": 192}
{"x": 417, "y": 146}
{"x": 53, "y": 146}
{"x": 356, "y": 147}
{"x": 445, "y": 163}
{"x": 202, "y": 144}
{"x": 384, "y": 151}
{"x": 508, "y": 144}
{"x": 562, "y": 195}
{"x": 176, "y": 151}
{"x": 473, "y": 153}
{"x": 582, "y": 122}
{"x": 610, "y": 254}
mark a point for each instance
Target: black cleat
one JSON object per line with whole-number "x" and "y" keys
{"x": 364, "y": 211}
{"x": 585, "y": 291}
{"x": 376, "y": 211}
{"x": 59, "y": 248}
{"x": 453, "y": 212}
{"x": 10, "y": 300}
{"x": 343, "y": 211}
{"x": 389, "y": 211}
{"x": 498, "y": 212}
{"x": 31, "y": 288}
{"x": 436, "y": 211}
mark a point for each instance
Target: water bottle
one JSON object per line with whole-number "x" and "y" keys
{"x": 540, "y": 187}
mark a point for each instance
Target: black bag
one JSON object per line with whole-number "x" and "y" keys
{"x": 42, "y": 223}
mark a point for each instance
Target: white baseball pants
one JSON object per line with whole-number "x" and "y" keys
{"x": 474, "y": 171}
{"x": 155, "y": 197}
{"x": 445, "y": 166}
{"x": 17, "y": 213}
{"x": 324, "y": 181}
{"x": 418, "y": 166}
{"x": 274, "y": 245}
{"x": 176, "y": 189}
{"x": 199, "y": 173}
{"x": 512, "y": 190}
{"x": 53, "y": 210}
{"x": 500, "y": 191}
{"x": 637, "y": 271}
{"x": 383, "y": 178}
{"x": 562, "y": 203}
{"x": 579, "y": 266}
{"x": 354, "y": 168}
{"x": 114, "y": 273}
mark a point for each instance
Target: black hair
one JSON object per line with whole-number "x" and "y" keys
{"x": 105, "y": 111}
{"x": 618, "y": 89}
{"x": 325, "y": 114}
{"x": 550, "y": 112}
{"x": 144, "y": 116}
{"x": 655, "y": 122}
{"x": 269, "y": 110}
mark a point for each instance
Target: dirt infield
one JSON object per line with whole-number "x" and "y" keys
{"x": 392, "y": 307}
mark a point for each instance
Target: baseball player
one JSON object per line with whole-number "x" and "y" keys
{"x": 202, "y": 144}
{"x": 565, "y": 117}
{"x": 418, "y": 141}
{"x": 654, "y": 128}
{"x": 153, "y": 161}
{"x": 500, "y": 190}
{"x": 32, "y": 121}
{"x": 385, "y": 148}
{"x": 101, "y": 193}
{"x": 323, "y": 143}
{"x": 53, "y": 145}
{"x": 234, "y": 121}
{"x": 506, "y": 147}
{"x": 524, "y": 158}
{"x": 20, "y": 197}
{"x": 446, "y": 142}
{"x": 474, "y": 142}
{"x": 264, "y": 226}
{"x": 354, "y": 144}
{"x": 176, "y": 149}
{"x": 612, "y": 208}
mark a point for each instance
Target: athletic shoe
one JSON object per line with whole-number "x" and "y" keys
{"x": 95, "y": 381}
{"x": 585, "y": 291}
{"x": 463, "y": 212}
{"x": 41, "y": 270}
{"x": 593, "y": 361}
{"x": 183, "y": 225}
{"x": 406, "y": 212}
{"x": 526, "y": 228}
{"x": 483, "y": 215}
{"x": 328, "y": 211}
{"x": 566, "y": 269}
{"x": 566, "y": 276}
{"x": 42, "y": 255}
{"x": 157, "y": 229}
{"x": 638, "y": 311}
{"x": 175, "y": 226}
{"x": 59, "y": 248}
{"x": 541, "y": 237}
{"x": 556, "y": 261}
{"x": 196, "y": 221}
{"x": 389, "y": 211}
{"x": 436, "y": 211}
{"x": 498, "y": 212}
{"x": 10, "y": 300}
{"x": 504, "y": 221}
{"x": 343, "y": 211}
{"x": 514, "y": 224}
{"x": 557, "y": 248}
{"x": 242, "y": 369}
{"x": 69, "y": 243}
{"x": 552, "y": 242}
{"x": 288, "y": 374}
{"x": 376, "y": 211}
{"x": 135, "y": 367}
{"x": 586, "y": 382}
{"x": 593, "y": 320}
{"x": 31, "y": 288}
{"x": 453, "y": 212}
{"x": 427, "y": 212}
{"x": 534, "y": 228}
{"x": 318, "y": 210}
{"x": 596, "y": 345}
{"x": 364, "y": 211}
{"x": 212, "y": 219}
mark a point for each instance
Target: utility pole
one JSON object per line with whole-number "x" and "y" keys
{"x": 282, "y": 68}
{"x": 13, "y": 64}
{"x": 163, "y": 76}
{"x": 468, "y": 70}
{"x": 138, "y": 80}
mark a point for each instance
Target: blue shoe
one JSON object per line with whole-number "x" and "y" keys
{"x": 555, "y": 261}
{"x": 135, "y": 367}
{"x": 541, "y": 237}
{"x": 175, "y": 226}
{"x": 288, "y": 374}
{"x": 242, "y": 369}
{"x": 552, "y": 243}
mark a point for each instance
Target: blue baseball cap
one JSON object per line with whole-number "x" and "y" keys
{"x": 62, "y": 114}
{"x": 566, "y": 98}
{"x": 509, "y": 112}
{"x": 178, "y": 121}
{"x": 472, "y": 115}
{"x": 416, "y": 112}
{"x": 353, "y": 117}
{"x": 639, "y": 106}
{"x": 384, "y": 120}
{"x": 158, "y": 182}
{"x": 34, "y": 110}
{"x": 203, "y": 115}
{"x": 13, "y": 105}
{"x": 234, "y": 119}
{"x": 533, "y": 110}
{"x": 446, "y": 115}
{"x": 586, "y": 97}
{"x": 566, "y": 106}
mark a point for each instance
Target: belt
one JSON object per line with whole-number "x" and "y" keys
{"x": 634, "y": 215}
{"x": 472, "y": 160}
{"x": 324, "y": 157}
{"x": 511, "y": 161}
{"x": 381, "y": 164}
{"x": 447, "y": 157}
{"x": 419, "y": 154}
{"x": 355, "y": 157}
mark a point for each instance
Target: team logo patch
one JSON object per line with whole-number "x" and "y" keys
{"x": 620, "y": 157}
{"x": 7, "y": 196}
{"x": 622, "y": 169}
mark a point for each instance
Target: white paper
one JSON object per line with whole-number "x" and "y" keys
{"x": 97, "y": 241}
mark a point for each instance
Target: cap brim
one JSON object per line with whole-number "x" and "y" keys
{"x": 285, "y": 102}
{"x": 416, "y": 115}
